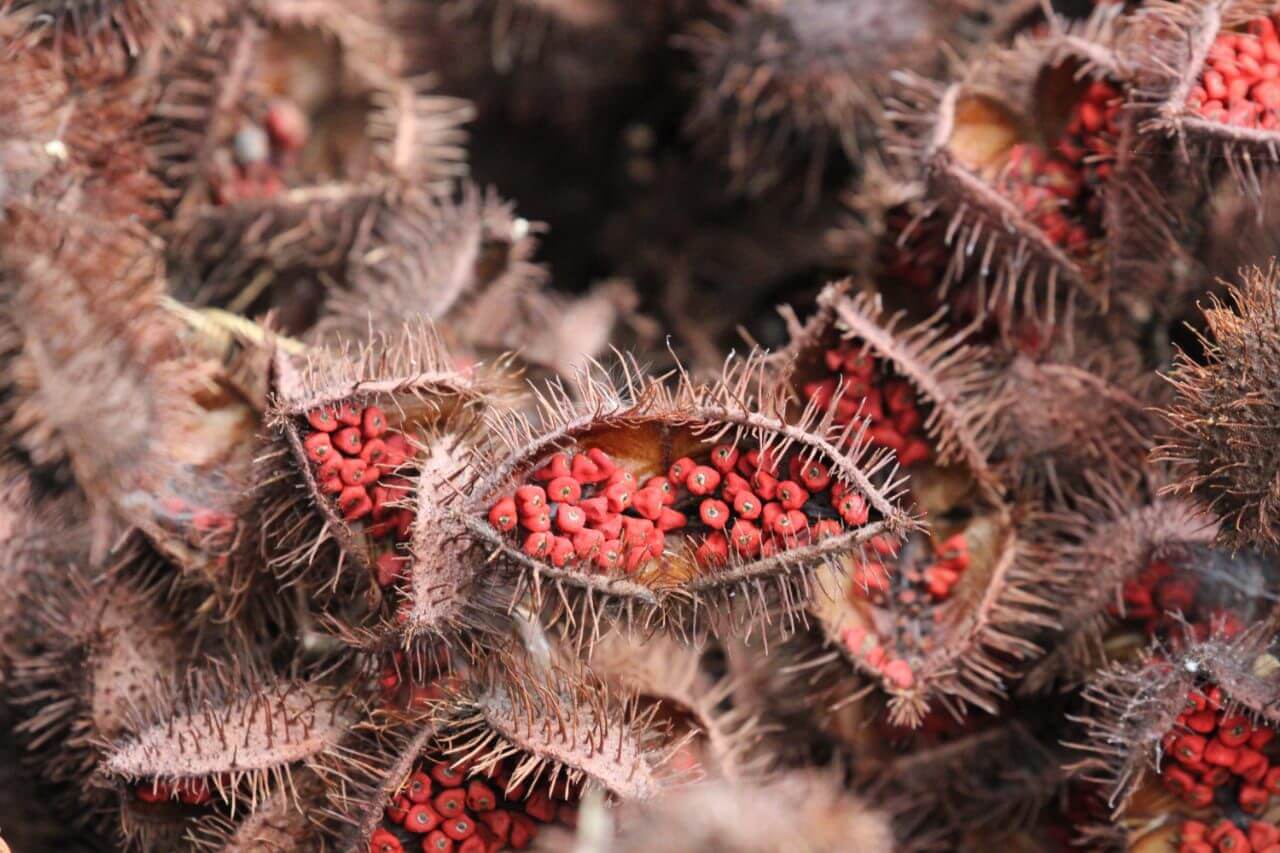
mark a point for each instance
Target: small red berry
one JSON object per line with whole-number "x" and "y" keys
{"x": 374, "y": 452}
{"x": 324, "y": 419}
{"x": 648, "y": 502}
{"x": 523, "y": 831}
{"x": 450, "y": 802}
{"x": 437, "y": 842}
{"x": 619, "y": 496}
{"x": 663, "y": 485}
{"x": 596, "y": 509}
{"x": 586, "y": 471}
{"x": 714, "y": 513}
{"x": 350, "y": 414}
{"x": 1234, "y": 731}
{"x": 373, "y": 423}
{"x": 745, "y": 537}
{"x": 635, "y": 530}
{"x": 498, "y": 822}
{"x": 602, "y": 461}
{"x": 764, "y": 485}
{"x": 702, "y": 480}
{"x": 539, "y": 806}
{"x": 561, "y": 550}
{"x": 815, "y": 475}
{"x": 557, "y": 466}
{"x": 714, "y": 551}
{"x": 447, "y": 775}
{"x": 382, "y": 841}
{"x": 537, "y": 544}
{"x": 459, "y": 828}
{"x": 611, "y": 526}
{"x": 564, "y": 490}
{"x": 386, "y": 569}
{"x": 538, "y": 521}
{"x": 480, "y": 797}
{"x": 318, "y": 447}
{"x": 570, "y": 519}
{"x": 503, "y": 515}
{"x": 418, "y": 789}
{"x": 349, "y": 441}
{"x": 853, "y": 509}
{"x": 353, "y": 472}
{"x": 355, "y": 503}
{"x": 610, "y": 554}
{"x": 680, "y": 470}
{"x": 791, "y": 495}
{"x": 530, "y": 498}
{"x": 724, "y": 457}
{"x": 585, "y": 542}
{"x": 421, "y": 819}
{"x": 747, "y": 505}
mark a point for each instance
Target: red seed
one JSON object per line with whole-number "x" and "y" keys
{"x": 396, "y": 813}
{"x": 386, "y": 569}
{"x": 437, "y": 842}
{"x": 498, "y": 822}
{"x": 680, "y": 470}
{"x": 586, "y": 542}
{"x": 764, "y": 485}
{"x": 349, "y": 441}
{"x": 747, "y": 505}
{"x": 585, "y": 471}
{"x": 557, "y": 466}
{"x": 714, "y": 513}
{"x": 703, "y": 480}
{"x": 318, "y": 447}
{"x": 503, "y": 515}
{"x": 619, "y": 496}
{"x": 332, "y": 485}
{"x": 561, "y": 550}
{"x": 355, "y": 503}
{"x": 1267, "y": 93}
{"x": 649, "y": 503}
{"x": 564, "y": 490}
{"x": 529, "y": 498}
{"x": 1189, "y": 748}
{"x": 1219, "y": 754}
{"x": 596, "y": 509}
{"x": 1199, "y": 796}
{"x": 610, "y": 554}
{"x": 570, "y": 519}
{"x": 611, "y": 526}
{"x": 480, "y": 797}
{"x": 663, "y": 485}
{"x": 602, "y": 461}
{"x": 459, "y": 828}
{"x": 382, "y": 841}
{"x": 523, "y": 831}
{"x": 815, "y": 476}
{"x": 724, "y": 457}
{"x": 745, "y": 537}
{"x": 421, "y": 819}
{"x": 853, "y": 509}
{"x": 670, "y": 520}
{"x": 418, "y": 790}
{"x": 538, "y": 521}
{"x": 450, "y": 802}
{"x": 635, "y": 530}
{"x": 373, "y": 423}
{"x": 539, "y": 806}
{"x": 714, "y": 550}
{"x": 324, "y": 419}
{"x": 446, "y": 775}
{"x": 353, "y": 472}
{"x": 537, "y": 544}
{"x": 350, "y": 414}
{"x": 791, "y": 495}
{"x": 1234, "y": 731}
{"x": 1252, "y": 799}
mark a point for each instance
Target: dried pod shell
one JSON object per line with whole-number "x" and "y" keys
{"x": 640, "y": 427}
{"x": 1223, "y": 413}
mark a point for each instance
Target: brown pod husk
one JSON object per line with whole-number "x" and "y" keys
{"x": 101, "y": 384}
{"x": 645, "y": 425}
{"x": 519, "y": 727}
{"x": 1133, "y": 709}
{"x": 971, "y": 139}
{"x": 1119, "y": 534}
{"x": 231, "y": 741}
{"x": 106, "y": 646}
{"x": 803, "y": 810}
{"x": 1164, "y": 50}
{"x": 785, "y": 89}
{"x": 279, "y": 824}
{"x": 1000, "y": 601}
{"x": 1220, "y": 447}
{"x": 425, "y": 401}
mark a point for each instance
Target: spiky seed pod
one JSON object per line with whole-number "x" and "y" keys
{"x": 674, "y": 457}
{"x": 100, "y": 382}
{"x": 671, "y": 676}
{"x": 534, "y": 739}
{"x": 1132, "y": 560}
{"x": 786, "y": 89}
{"x": 1176, "y": 55}
{"x": 1141, "y": 738}
{"x": 219, "y": 744}
{"x": 1224, "y": 412}
{"x": 1008, "y": 152}
{"x": 1066, "y": 415}
{"x": 949, "y": 613}
{"x": 106, "y": 646}
{"x": 354, "y": 430}
{"x": 806, "y": 811}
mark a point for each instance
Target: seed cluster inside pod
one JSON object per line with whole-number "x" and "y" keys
{"x": 448, "y": 806}
{"x": 1176, "y": 605}
{"x": 261, "y": 152}
{"x": 1240, "y": 82}
{"x": 1221, "y": 769}
{"x": 722, "y": 502}
{"x": 354, "y": 453}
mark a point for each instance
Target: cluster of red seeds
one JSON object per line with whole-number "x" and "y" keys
{"x": 1048, "y": 190}
{"x": 259, "y": 154}
{"x": 1240, "y": 84}
{"x": 193, "y": 792}
{"x": 442, "y": 811}
{"x": 1219, "y": 758}
{"x": 1089, "y": 141}
{"x": 1159, "y": 592}
{"x": 593, "y": 512}
{"x": 354, "y": 454}
{"x": 868, "y": 392}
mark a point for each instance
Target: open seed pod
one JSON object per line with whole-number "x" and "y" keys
{"x": 106, "y": 646}
{"x": 1223, "y": 409}
{"x": 1022, "y": 154}
{"x": 1182, "y": 746}
{"x": 786, "y": 88}
{"x": 1197, "y": 69}
{"x": 640, "y": 476}
{"x": 1144, "y": 568}
{"x": 220, "y": 745}
{"x": 948, "y": 613}
{"x": 498, "y": 760}
{"x": 355, "y": 430}
{"x": 806, "y": 811}
{"x": 101, "y": 384}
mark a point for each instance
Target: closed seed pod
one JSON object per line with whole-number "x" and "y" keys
{"x": 1222, "y": 413}
{"x": 1155, "y": 731}
{"x": 220, "y": 744}
{"x": 1025, "y": 155}
{"x": 103, "y": 385}
{"x": 640, "y": 477}
{"x": 950, "y": 615}
{"x": 517, "y": 741}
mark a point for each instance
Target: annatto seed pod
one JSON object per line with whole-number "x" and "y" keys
{"x": 946, "y": 616}
{"x": 102, "y": 384}
{"x": 1025, "y": 158}
{"x": 1182, "y": 747}
{"x": 106, "y": 646}
{"x": 1198, "y": 72}
{"x": 354, "y": 430}
{"x": 513, "y": 750}
{"x": 800, "y": 810}
{"x": 1224, "y": 404}
{"x": 1142, "y": 568}
{"x": 222, "y": 743}
{"x": 660, "y": 505}
{"x": 785, "y": 88}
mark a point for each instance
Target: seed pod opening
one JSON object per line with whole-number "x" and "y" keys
{"x": 104, "y": 385}
{"x": 652, "y": 503}
{"x": 1223, "y": 409}
{"x": 949, "y": 612}
{"x": 1020, "y": 157}
{"x": 500, "y": 759}
{"x": 354, "y": 430}
{"x": 1182, "y": 746}
{"x": 221, "y": 745}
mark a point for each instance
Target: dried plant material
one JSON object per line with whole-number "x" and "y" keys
{"x": 1221, "y": 416}
{"x": 648, "y": 471}
{"x": 802, "y": 811}
{"x": 1144, "y": 726}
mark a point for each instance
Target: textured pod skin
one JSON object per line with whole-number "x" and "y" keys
{"x": 1222, "y": 407}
